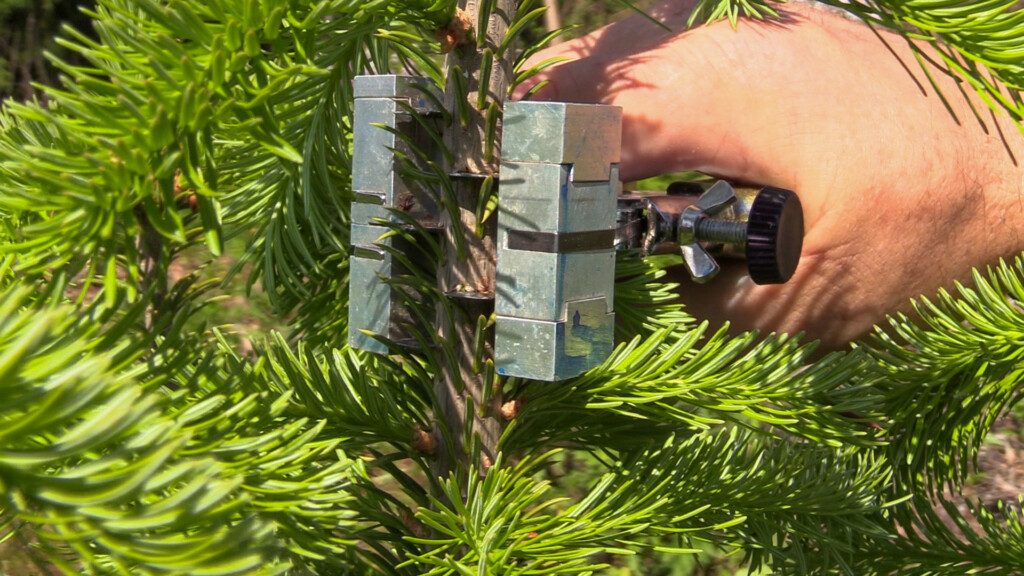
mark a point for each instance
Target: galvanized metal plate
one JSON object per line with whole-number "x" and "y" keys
{"x": 537, "y": 196}
{"x": 550, "y": 351}
{"x": 587, "y": 136}
{"x": 418, "y": 92}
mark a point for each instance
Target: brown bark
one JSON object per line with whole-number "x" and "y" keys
{"x": 469, "y": 281}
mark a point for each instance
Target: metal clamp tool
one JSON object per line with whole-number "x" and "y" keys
{"x": 383, "y": 127}
{"x": 764, "y": 226}
{"x": 556, "y": 230}
{"x": 562, "y": 217}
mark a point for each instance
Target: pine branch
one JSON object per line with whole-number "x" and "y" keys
{"x": 115, "y": 469}
{"x": 965, "y": 348}
{"x": 778, "y": 500}
{"x": 980, "y": 541}
{"x": 212, "y": 94}
{"x": 364, "y": 400}
{"x": 671, "y": 380}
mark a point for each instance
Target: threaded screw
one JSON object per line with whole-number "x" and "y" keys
{"x": 720, "y": 231}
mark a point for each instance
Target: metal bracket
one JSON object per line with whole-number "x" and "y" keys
{"x": 392, "y": 119}
{"x": 556, "y": 234}
{"x": 561, "y": 218}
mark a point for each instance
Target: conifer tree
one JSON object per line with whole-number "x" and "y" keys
{"x": 134, "y": 440}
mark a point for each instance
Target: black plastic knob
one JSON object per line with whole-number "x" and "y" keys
{"x": 775, "y": 236}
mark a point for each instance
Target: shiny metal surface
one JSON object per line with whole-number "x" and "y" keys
{"x": 370, "y": 299}
{"x": 586, "y": 136}
{"x": 554, "y": 295}
{"x": 716, "y": 199}
{"x": 385, "y": 130}
{"x": 418, "y": 92}
{"x": 764, "y": 226}
{"x": 698, "y": 261}
{"x": 382, "y": 124}
{"x": 550, "y": 351}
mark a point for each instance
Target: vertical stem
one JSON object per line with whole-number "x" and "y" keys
{"x": 151, "y": 246}
{"x": 474, "y": 424}
{"x": 552, "y": 18}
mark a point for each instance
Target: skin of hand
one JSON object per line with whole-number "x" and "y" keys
{"x": 901, "y": 197}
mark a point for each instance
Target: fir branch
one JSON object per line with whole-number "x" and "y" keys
{"x": 943, "y": 539}
{"x": 771, "y": 497}
{"x": 965, "y": 347}
{"x": 792, "y": 506}
{"x": 115, "y": 469}
{"x": 258, "y": 135}
{"x": 301, "y": 211}
{"x": 712, "y": 10}
{"x": 672, "y": 380}
{"x": 643, "y": 302}
{"x": 364, "y": 399}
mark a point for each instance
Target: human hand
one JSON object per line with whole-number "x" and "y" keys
{"x": 900, "y": 197}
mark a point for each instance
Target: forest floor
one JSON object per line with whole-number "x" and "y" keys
{"x": 1000, "y": 475}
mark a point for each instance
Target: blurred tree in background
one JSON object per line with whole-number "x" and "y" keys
{"x": 27, "y": 30}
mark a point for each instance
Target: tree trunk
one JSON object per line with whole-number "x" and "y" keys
{"x": 552, "y": 18}
{"x": 468, "y": 281}
{"x": 26, "y": 32}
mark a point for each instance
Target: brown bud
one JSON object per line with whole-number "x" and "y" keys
{"x": 456, "y": 32}
{"x": 182, "y": 195}
{"x": 512, "y": 408}
{"x": 190, "y": 201}
{"x": 424, "y": 443}
{"x": 413, "y": 525}
{"x": 179, "y": 183}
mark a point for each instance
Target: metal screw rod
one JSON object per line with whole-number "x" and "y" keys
{"x": 721, "y": 231}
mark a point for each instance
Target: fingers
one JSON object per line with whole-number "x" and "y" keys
{"x": 632, "y": 35}
{"x": 739, "y": 103}
{"x": 658, "y": 23}
{"x": 671, "y": 87}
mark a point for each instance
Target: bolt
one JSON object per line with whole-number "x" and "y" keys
{"x": 770, "y": 233}
{"x": 721, "y": 231}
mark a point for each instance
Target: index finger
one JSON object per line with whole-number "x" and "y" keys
{"x": 646, "y": 70}
{"x": 714, "y": 99}
{"x": 629, "y": 35}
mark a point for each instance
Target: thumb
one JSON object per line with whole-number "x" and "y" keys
{"x": 632, "y": 34}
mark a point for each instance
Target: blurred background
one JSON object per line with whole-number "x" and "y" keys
{"x": 27, "y": 30}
